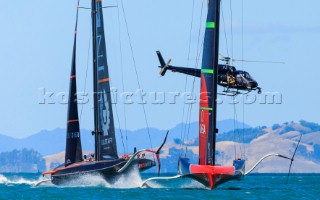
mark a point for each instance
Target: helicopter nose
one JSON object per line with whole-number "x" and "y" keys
{"x": 253, "y": 84}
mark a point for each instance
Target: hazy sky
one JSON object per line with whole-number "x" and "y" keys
{"x": 36, "y": 45}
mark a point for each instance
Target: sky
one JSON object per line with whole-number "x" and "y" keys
{"x": 36, "y": 45}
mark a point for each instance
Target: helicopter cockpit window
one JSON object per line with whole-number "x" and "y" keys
{"x": 247, "y": 76}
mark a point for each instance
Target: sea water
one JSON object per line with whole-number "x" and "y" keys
{"x": 255, "y": 186}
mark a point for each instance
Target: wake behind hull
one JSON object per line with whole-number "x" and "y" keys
{"x": 212, "y": 176}
{"x": 107, "y": 169}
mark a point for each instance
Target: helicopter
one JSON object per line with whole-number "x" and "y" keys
{"x": 234, "y": 81}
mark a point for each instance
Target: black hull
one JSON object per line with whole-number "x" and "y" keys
{"x": 107, "y": 169}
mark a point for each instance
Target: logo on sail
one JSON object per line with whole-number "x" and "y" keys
{"x": 104, "y": 113}
{"x": 202, "y": 128}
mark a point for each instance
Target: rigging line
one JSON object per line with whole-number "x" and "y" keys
{"x": 234, "y": 128}
{"x": 184, "y": 137}
{"x": 136, "y": 71}
{"x": 86, "y": 76}
{"x": 191, "y": 104}
{"x": 237, "y": 130}
{"x": 232, "y": 54}
{"x": 114, "y": 96}
{"x": 224, "y": 30}
{"x": 121, "y": 134}
{"x": 242, "y": 55}
{"x": 199, "y": 51}
{"x": 188, "y": 122}
{"x": 231, "y": 15}
{"x": 183, "y": 127}
{"x": 122, "y": 77}
{"x": 196, "y": 65}
{"x": 242, "y": 31}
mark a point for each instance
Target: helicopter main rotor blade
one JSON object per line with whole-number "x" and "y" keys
{"x": 258, "y": 61}
{"x": 227, "y": 59}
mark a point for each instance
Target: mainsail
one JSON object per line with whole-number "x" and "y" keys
{"x": 106, "y": 147}
{"x": 73, "y": 142}
{"x": 208, "y": 96}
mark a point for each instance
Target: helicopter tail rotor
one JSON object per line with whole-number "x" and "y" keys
{"x": 164, "y": 66}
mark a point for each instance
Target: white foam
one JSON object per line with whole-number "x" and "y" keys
{"x": 193, "y": 184}
{"x": 87, "y": 181}
{"x": 3, "y": 179}
{"x": 127, "y": 181}
{"x": 17, "y": 181}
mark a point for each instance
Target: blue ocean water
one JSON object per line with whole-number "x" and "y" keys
{"x": 255, "y": 186}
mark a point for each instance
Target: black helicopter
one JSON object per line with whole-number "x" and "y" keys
{"x": 229, "y": 77}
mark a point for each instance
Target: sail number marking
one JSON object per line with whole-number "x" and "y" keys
{"x": 73, "y": 135}
{"x": 202, "y": 128}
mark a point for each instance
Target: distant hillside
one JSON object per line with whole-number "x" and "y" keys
{"x": 51, "y": 142}
{"x": 257, "y": 142}
{"x": 24, "y": 160}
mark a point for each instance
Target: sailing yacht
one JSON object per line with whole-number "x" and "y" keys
{"x": 106, "y": 162}
{"x": 207, "y": 171}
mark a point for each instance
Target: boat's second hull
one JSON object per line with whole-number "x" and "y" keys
{"x": 106, "y": 169}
